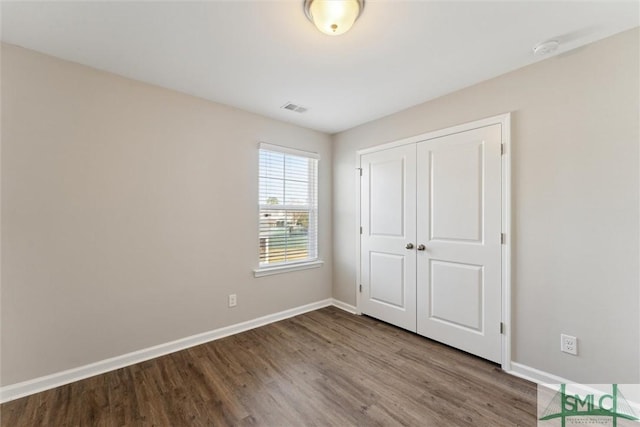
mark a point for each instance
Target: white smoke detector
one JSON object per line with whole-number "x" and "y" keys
{"x": 546, "y": 48}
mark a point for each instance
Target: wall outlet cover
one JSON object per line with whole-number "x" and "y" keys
{"x": 233, "y": 300}
{"x": 569, "y": 344}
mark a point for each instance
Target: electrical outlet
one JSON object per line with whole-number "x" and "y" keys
{"x": 569, "y": 344}
{"x": 233, "y": 300}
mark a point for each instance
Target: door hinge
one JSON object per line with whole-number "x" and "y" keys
{"x": 360, "y": 229}
{"x": 360, "y": 169}
{"x": 360, "y": 288}
{"x": 501, "y": 328}
{"x": 502, "y": 149}
{"x": 502, "y": 238}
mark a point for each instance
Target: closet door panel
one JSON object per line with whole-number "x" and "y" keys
{"x": 388, "y": 219}
{"x": 459, "y": 224}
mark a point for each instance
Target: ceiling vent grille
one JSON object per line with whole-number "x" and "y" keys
{"x": 293, "y": 107}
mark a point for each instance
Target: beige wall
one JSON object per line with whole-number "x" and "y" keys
{"x": 128, "y": 211}
{"x": 129, "y": 214}
{"x": 575, "y": 140}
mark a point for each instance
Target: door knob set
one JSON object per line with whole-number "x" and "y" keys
{"x": 421, "y": 247}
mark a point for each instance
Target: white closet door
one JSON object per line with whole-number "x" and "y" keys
{"x": 459, "y": 224}
{"x": 388, "y": 210}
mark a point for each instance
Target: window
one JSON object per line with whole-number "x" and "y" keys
{"x": 288, "y": 200}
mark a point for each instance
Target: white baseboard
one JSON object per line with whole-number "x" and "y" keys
{"x": 546, "y": 379}
{"x": 344, "y": 306}
{"x": 535, "y": 375}
{"x": 36, "y": 385}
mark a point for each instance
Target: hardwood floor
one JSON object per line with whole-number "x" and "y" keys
{"x": 323, "y": 368}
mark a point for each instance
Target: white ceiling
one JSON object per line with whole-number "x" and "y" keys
{"x": 258, "y": 55}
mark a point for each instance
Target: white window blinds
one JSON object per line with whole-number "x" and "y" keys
{"x": 288, "y": 200}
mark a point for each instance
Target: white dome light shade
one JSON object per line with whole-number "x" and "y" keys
{"x": 333, "y": 17}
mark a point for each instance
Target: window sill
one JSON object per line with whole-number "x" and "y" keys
{"x": 268, "y": 271}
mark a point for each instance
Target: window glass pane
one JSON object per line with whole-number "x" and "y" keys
{"x": 284, "y": 235}
{"x": 296, "y": 168}
{"x": 297, "y": 193}
{"x": 288, "y": 202}
{"x": 271, "y": 191}
{"x": 271, "y": 164}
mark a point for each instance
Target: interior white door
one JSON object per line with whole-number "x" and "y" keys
{"x": 459, "y": 224}
{"x": 388, "y": 220}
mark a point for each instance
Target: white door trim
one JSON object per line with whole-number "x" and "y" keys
{"x": 505, "y": 121}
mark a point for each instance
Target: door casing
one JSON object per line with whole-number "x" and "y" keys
{"x": 505, "y": 121}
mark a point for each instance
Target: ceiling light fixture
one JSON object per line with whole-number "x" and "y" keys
{"x": 333, "y": 17}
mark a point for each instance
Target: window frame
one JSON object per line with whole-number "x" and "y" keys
{"x": 313, "y": 261}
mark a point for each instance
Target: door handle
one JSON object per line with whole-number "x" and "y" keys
{"x": 409, "y": 246}
{"x": 421, "y": 247}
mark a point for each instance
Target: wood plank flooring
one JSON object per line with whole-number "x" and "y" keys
{"x": 323, "y": 368}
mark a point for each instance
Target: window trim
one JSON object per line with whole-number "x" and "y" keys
{"x": 288, "y": 150}
{"x": 315, "y": 262}
{"x": 285, "y": 268}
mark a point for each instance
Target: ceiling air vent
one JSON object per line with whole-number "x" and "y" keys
{"x": 293, "y": 107}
